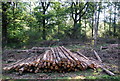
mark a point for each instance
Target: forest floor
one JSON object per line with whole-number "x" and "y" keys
{"x": 109, "y": 57}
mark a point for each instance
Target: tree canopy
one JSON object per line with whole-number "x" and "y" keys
{"x": 31, "y": 22}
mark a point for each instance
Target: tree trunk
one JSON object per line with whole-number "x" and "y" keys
{"x": 44, "y": 7}
{"x": 14, "y": 15}
{"x": 4, "y": 22}
{"x": 39, "y": 20}
{"x": 44, "y": 29}
{"x": 98, "y": 19}
{"x": 114, "y": 25}
{"x": 75, "y": 30}
{"x": 104, "y": 18}
{"x": 96, "y": 25}
{"x": 92, "y": 26}
{"x": 95, "y": 29}
{"x": 85, "y": 26}
{"x": 110, "y": 21}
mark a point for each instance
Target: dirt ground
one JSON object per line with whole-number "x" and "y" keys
{"x": 109, "y": 57}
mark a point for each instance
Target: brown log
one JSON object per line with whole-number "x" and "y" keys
{"x": 44, "y": 59}
{"x": 66, "y": 54}
{"x": 45, "y": 55}
{"x": 64, "y": 59}
{"x": 41, "y": 48}
{"x": 82, "y": 55}
{"x": 58, "y": 56}
{"x": 62, "y": 56}
{"x": 21, "y": 70}
{"x": 85, "y": 61}
{"x": 108, "y": 72}
{"x": 54, "y": 57}
{"x": 37, "y": 70}
{"x": 70, "y": 60}
{"x": 96, "y": 54}
{"x": 48, "y": 56}
{"x": 35, "y": 50}
{"x": 56, "y": 53}
{"x": 70, "y": 53}
{"x": 9, "y": 67}
{"x": 51, "y": 57}
{"x": 19, "y": 64}
{"x": 39, "y": 57}
{"x": 57, "y": 59}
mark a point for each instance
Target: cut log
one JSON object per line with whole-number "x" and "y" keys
{"x": 57, "y": 59}
{"x": 21, "y": 70}
{"x": 96, "y": 54}
{"x": 108, "y": 72}
{"x": 70, "y": 53}
{"x": 70, "y": 61}
{"x": 66, "y": 54}
{"x": 82, "y": 55}
{"x": 54, "y": 57}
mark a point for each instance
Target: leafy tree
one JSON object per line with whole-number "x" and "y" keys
{"x": 78, "y": 10}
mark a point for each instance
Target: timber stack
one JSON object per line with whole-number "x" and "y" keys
{"x": 57, "y": 59}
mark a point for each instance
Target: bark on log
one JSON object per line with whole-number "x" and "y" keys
{"x": 82, "y": 55}
{"x": 108, "y": 72}
{"x": 57, "y": 59}
{"x": 96, "y": 54}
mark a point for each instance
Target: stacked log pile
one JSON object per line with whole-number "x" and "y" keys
{"x": 57, "y": 59}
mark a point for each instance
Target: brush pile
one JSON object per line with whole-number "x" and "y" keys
{"x": 57, "y": 59}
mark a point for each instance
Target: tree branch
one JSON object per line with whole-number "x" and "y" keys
{"x": 76, "y": 11}
{"x": 47, "y": 6}
{"x": 82, "y": 8}
{"x": 83, "y": 13}
{"x": 72, "y": 10}
{"x": 43, "y": 5}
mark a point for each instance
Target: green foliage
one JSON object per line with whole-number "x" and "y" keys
{"x": 25, "y": 23}
{"x": 113, "y": 78}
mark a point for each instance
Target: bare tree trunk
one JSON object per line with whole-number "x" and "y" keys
{"x": 95, "y": 29}
{"x": 45, "y": 6}
{"x": 104, "y": 18}
{"x": 44, "y": 28}
{"x": 98, "y": 19}
{"x": 75, "y": 30}
{"x": 92, "y": 26}
{"x": 97, "y": 14}
{"x": 110, "y": 20}
{"x": 14, "y": 15}
{"x": 4, "y": 22}
{"x": 39, "y": 20}
{"x": 93, "y": 21}
{"x": 85, "y": 26}
{"x": 114, "y": 25}
{"x": 110, "y": 23}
